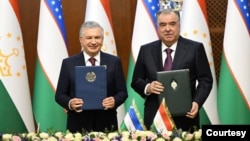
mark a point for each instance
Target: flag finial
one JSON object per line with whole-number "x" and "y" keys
{"x": 174, "y": 5}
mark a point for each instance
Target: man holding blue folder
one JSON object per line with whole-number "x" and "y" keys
{"x": 80, "y": 119}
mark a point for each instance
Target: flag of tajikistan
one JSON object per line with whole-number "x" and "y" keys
{"x": 15, "y": 102}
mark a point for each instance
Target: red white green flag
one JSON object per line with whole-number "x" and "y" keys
{"x": 99, "y": 11}
{"x": 196, "y": 28}
{"x": 163, "y": 122}
{"x": 15, "y": 101}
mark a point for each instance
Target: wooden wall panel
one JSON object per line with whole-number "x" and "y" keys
{"x": 74, "y": 14}
{"x": 216, "y": 21}
{"x": 29, "y": 11}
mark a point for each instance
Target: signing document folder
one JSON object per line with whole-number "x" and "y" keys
{"x": 177, "y": 91}
{"x": 91, "y": 86}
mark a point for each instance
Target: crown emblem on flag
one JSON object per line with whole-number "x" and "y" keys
{"x": 174, "y": 5}
{"x": 5, "y": 67}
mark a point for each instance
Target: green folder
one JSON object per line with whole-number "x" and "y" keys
{"x": 177, "y": 91}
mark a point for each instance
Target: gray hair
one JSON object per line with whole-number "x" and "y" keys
{"x": 167, "y": 11}
{"x": 90, "y": 24}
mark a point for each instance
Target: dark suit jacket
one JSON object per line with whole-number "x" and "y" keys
{"x": 96, "y": 120}
{"x": 189, "y": 55}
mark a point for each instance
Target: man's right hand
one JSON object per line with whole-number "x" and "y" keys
{"x": 76, "y": 104}
{"x": 155, "y": 87}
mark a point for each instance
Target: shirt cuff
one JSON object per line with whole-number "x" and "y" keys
{"x": 145, "y": 90}
{"x": 69, "y": 105}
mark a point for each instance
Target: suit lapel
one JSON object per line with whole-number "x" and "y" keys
{"x": 104, "y": 59}
{"x": 181, "y": 51}
{"x": 157, "y": 55}
{"x": 80, "y": 61}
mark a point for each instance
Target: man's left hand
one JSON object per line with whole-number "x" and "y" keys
{"x": 194, "y": 110}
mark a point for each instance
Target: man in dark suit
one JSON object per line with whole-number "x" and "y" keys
{"x": 78, "y": 120}
{"x": 186, "y": 54}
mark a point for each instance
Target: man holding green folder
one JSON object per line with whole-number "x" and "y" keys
{"x": 186, "y": 54}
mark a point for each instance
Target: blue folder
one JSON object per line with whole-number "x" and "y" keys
{"x": 91, "y": 86}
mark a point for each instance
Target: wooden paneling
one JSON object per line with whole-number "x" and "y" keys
{"x": 216, "y": 21}
{"x": 29, "y": 11}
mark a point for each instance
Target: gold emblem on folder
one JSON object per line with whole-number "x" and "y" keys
{"x": 90, "y": 76}
{"x": 174, "y": 84}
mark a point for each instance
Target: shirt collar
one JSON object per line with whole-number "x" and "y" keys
{"x": 173, "y": 47}
{"x": 97, "y": 57}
